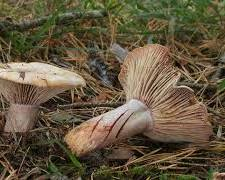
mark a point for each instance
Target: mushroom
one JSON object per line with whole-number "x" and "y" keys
{"x": 154, "y": 106}
{"x": 27, "y": 85}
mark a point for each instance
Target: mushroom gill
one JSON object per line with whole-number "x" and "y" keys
{"x": 27, "y": 85}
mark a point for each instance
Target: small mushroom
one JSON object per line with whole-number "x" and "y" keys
{"x": 155, "y": 107}
{"x": 27, "y": 85}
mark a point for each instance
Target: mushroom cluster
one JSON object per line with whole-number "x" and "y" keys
{"x": 27, "y": 85}
{"x": 155, "y": 106}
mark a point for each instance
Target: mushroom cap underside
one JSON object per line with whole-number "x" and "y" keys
{"x": 148, "y": 75}
{"x": 40, "y": 74}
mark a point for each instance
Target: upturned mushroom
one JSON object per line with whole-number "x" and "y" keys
{"x": 155, "y": 107}
{"x": 27, "y": 85}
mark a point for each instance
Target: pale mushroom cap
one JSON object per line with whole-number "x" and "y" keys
{"x": 40, "y": 75}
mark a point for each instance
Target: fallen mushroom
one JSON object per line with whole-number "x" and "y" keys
{"x": 155, "y": 107}
{"x": 27, "y": 85}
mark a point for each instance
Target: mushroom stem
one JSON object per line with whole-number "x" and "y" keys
{"x": 20, "y": 117}
{"x": 125, "y": 121}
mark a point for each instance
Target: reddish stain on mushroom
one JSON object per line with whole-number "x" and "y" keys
{"x": 22, "y": 75}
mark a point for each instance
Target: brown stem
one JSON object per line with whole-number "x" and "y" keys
{"x": 91, "y": 105}
{"x": 125, "y": 121}
{"x": 20, "y": 118}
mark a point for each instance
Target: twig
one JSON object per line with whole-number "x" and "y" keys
{"x": 212, "y": 87}
{"x": 115, "y": 105}
{"x": 60, "y": 19}
{"x": 59, "y": 61}
{"x": 91, "y": 105}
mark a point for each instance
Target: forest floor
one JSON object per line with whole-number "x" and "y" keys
{"x": 194, "y": 31}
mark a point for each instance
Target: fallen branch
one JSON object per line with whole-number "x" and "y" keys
{"x": 60, "y": 19}
{"x": 91, "y": 105}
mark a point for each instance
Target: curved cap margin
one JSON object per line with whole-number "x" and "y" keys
{"x": 40, "y": 74}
